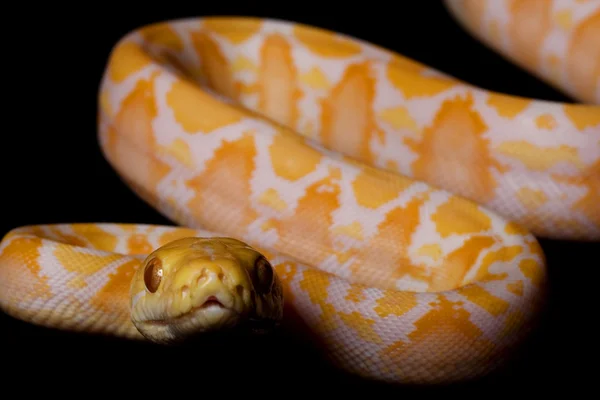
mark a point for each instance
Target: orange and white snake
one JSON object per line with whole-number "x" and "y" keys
{"x": 397, "y": 206}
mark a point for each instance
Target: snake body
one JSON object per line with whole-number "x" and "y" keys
{"x": 398, "y": 207}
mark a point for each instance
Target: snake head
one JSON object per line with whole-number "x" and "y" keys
{"x": 195, "y": 285}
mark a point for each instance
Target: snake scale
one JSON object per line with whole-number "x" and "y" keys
{"x": 393, "y": 207}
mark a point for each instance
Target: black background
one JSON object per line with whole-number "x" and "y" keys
{"x": 53, "y": 171}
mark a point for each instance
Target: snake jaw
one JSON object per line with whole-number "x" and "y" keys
{"x": 213, "y": 313}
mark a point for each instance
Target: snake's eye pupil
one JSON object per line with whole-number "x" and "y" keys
{"x": 153, "y": 274}
{"x": 264, "y": 275}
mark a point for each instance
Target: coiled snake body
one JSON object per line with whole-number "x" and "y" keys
{"x": 393, "y": 207}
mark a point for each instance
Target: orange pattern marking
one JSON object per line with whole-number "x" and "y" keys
{"x": 508, "y": 106}
{"x": 347, "y": 119}
{"x": 374, "y": 188}
{"x": 584, "y": 56}
{"x": 457, "y": 217}
{"x": 184, "y": 99}
{"x": 113, "y": 298}
{"x": 295, "y": 164}
{"x": 448, "y": 328}
{"x": 530, "y": 22}
{"x": 243, "y": 31}
{"x": 320, "y": 200}
{"x": 232, "y": 162}
{"x": 455, "y": 142}
{"x": 387, "y": 252}
{"x": 215, "y": 68}
{"x": 125, "y": 60}
{"x": 279, "y": 92}
{"x": 20, "y": 263}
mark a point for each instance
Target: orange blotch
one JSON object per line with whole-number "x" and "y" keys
{"x": 588, "y": 204}
{"x": 583, "y": 116}
{"x": 399, "y": 118}
{"x": 583, "y": 66}
{"x": 532, "y": 270}
{"x": 105, "y": 104}
{"x": 545, "y": 121}
{"x": 363, "y": 326}
{"x": 530, "y": 21}
{"x": 186, "y": 99}
{"x": 316, "y": 79}
{"x": 162, "y": 35}
{"x": 539, "y": 158}
{"x": 98, "y": 238}
{"x": 431, "y": 250}
{"x": 356, "y": 294}
{"x": 447, "y": 328}
{"x": 474, "y": 12}
{"x": 513, "y": 228}
{"x": 325, "y": 43}
{"x": 502, "y": 255}
{"x": 60, "y": 236}
{"x": 222, "y": 192}
{"x": 113, "y": 298}
{"x": 180, "y": 151}
{"x": 374, "y": 187}
{"x": 126, "y": 59}
{"x": 353, "y": 230}
{"x": 316, "y": 284}
{"x": 131, "y": 141}
{"x": 272, "y": 199}
{"x": 458, "y": 217}
{"x": 215, "y": 70}
{"x": 73, "y": 259}
{"x": 508, "y": 106}
{"x": 385, "y": 258}
{"x": 306, "y": 233}
{"x": 516, "y": 288}
{"x": 407, "y": 81}
{"x": 19, "y": 266}
{"x": 395, "y": 303}
{"x": 455, "y": 142}
{"x": 291, "y": 157}
{"x": 564, "y": 19}
{"x": 278, "y": 81}
{"x": 348, "y": 121}
{"x": 139, "y": 244}
{"x": 236, "y": 30}
{"x": 458, "y": 263}
{"x": 484, "y": 299}
{"x": 406, "y": 64}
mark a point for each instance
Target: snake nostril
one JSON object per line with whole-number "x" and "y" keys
{"x": 185, "y": 290}
{"x": 221, "y": 276}
{"x": 240, "y": 290}
{"x": 201, "y": 277}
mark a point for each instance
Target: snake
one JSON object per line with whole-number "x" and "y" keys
{"x": 394, "y": 208}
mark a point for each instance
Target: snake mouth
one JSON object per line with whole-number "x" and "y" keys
{"x": 210, "y": 307}
{"x": 211, "y": 301}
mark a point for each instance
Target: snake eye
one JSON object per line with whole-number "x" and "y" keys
{"x": 264, "y": 275}
{"x": 153, "y": 274}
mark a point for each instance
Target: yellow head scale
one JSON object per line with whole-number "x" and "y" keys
{"x": 196, "y": 285}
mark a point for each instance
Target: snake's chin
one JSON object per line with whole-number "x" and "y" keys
{"x": 210, "y": 316}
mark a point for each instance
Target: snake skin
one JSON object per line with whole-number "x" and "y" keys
{"x": 398, "y": 205}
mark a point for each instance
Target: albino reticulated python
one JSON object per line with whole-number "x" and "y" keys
{"x": 348, "y": 168}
